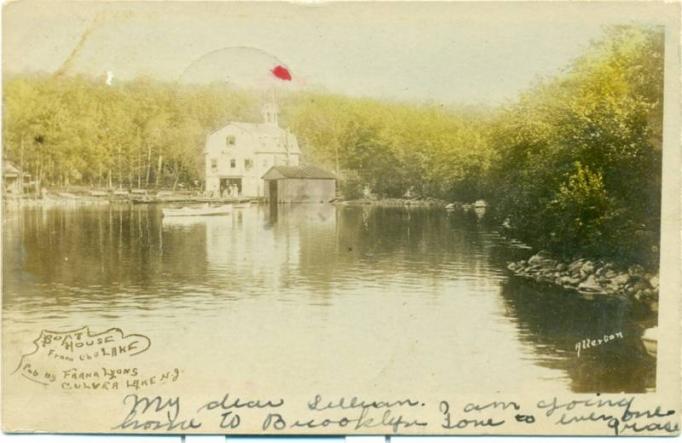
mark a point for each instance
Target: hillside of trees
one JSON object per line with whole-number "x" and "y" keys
{"x": 573, "y": 165}
{"x": 396, "y": 148}
{"x": 579, "y": 156}
{"x": 78, "y": 131}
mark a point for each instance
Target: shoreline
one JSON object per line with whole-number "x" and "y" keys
{"x": 591, "y": 278}
{"x": 95, "y": 197}
{"x": 393, "y": 202}
{"x": 587, "y": 278}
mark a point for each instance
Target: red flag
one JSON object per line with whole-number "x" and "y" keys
{"x": 281, "y": 73}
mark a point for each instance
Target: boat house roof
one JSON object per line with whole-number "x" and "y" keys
{"x": 9, "y": 170}
{"x": 308, "y": 172}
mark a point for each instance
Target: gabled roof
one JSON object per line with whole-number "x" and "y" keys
{"x": 268, "y": 138}
{"x": 260, "y": 128}
{"x": 311, "y": 172}
{"x": 9, "y": 170}
{"x": 257, "y": 128}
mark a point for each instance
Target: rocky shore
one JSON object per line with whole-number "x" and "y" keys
{"x": 394, "y": 202}
{"x": 591, "y": 278}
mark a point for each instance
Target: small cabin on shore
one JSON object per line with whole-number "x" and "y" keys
{"x": 299, "y": 184}
{"x": 14, "y": 180}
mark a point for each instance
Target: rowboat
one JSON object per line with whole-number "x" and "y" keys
{"x": 193, "y": 211}
{"x": 242, "y": 205}
{"x": 141, "y": 200}
{"x": 650, "y": 341}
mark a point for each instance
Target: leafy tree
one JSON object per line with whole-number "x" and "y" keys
{"x": 605, "y": 112}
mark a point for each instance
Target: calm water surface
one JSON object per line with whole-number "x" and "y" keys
{"x": 410, "y": 299}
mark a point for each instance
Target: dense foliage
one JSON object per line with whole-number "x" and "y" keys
{"x": 574, "y": 165}
{"x": 579, "y": 170}
{"x": 395, "y": 149}
{"x": 138, "y": 134}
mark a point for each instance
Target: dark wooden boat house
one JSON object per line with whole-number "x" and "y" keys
{"x": 299, "y": 184}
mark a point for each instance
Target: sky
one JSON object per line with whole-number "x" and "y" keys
{"x": 466, "y": 53}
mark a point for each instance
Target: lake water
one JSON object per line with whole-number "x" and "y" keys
{"x": 410, "y": 299}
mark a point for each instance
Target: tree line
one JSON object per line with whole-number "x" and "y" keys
{"x": 579, "y": 156}
{"x": 79, "y": 131}
{"x": 573, "y": 165}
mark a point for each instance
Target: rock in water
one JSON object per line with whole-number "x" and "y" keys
{"x": 590, "y": 285}
{"x": 653, "y": 281}
{"x": 536, "y": 259}
{"x": 610, "y": 274}
{"x": 587, "y": 268}
{"x": 621, "y": 279}
{"x": 636, "y": 271}
{"x": 574, "y": 268}
{"x": 570, "y": 281}
{"x": 641, "y": 285}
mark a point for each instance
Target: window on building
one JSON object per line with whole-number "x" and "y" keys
{"x": 233, "y": 163}
{"x": 230, "y": 140}
{"x": 248, "y": 163}
{"x": 214, "y": 164}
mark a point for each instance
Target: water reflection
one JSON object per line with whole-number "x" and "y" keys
{"x": 553, "y": 322}
{"x": 322, "y": 274}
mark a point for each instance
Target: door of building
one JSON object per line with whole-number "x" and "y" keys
{"x": 227, "y": 186}
{"x": 272, "y": 191}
